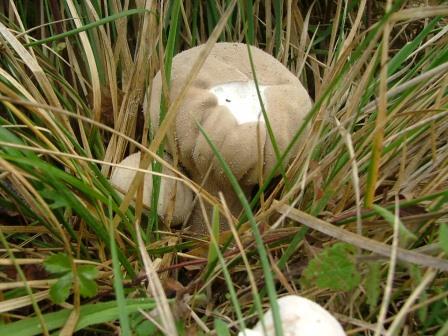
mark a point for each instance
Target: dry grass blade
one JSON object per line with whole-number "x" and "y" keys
{"x": 359, "y": 241}
{"x": 399, "y": 318}
{"x": 90, "y": 60}
{"x": 24, "y": 301}
{"x": 32, "y": 64}
{"x": 129, "y": 109}
{"x": 390, "y": 276}
{"x": 355, "y": 176}
{"x": 426, "y": 77}
{"x": 156, "y": 289}
{"x": 420, "y": 13}
{"x": 355, "y": 27}
{"x": 378, "y": 139}
{"x": 70, "y": 324}
{"x": 32, "y": 283}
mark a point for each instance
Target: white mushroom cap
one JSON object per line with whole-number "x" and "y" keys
{"x": 173, "y": 194}
{"x": 300, "y": 317}
{"x": 223, "y": 99}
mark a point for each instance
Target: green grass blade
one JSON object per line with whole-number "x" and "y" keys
{"x": 281, "y": 264}
{"x": 250, "y": 36}
{"x": 228, "y": 279}
{"x": 405, "y": 235}
{"x": 39, "y": 319}
{"x": 397, "y": 60}
{"x": 89, "y": 314}
{"x": 54, "y": 177}
{"x": 278, "y": 10}
{"x": 168, "y": 61}
{"x": 267, "y": 272}
{"x": 265, "y": 116}
{"x": 212, "y": 251}
{"x": 87, "y": 27}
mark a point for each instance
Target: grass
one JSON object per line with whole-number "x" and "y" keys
{"x": 366, "y": 190}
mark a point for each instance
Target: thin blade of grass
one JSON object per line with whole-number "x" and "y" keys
{"x": 267, "y": 272}
{"x": 118, "y": 285}
{"x": 88, "y": 26}
{"x": 90, "y": 314}
{"x": 164, "y": 103}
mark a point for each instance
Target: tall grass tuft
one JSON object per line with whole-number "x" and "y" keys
{"x": 366, "y": 193}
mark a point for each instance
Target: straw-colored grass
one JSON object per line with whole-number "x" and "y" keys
{"x": 366, "y": 192}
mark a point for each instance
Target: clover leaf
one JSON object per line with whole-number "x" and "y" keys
{"x": 59, "y": 264}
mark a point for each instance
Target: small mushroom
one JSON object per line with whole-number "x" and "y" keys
{"x": 224, "y": 100}
{"x": 300, "y": 317}
{"x": 174, "y": 196}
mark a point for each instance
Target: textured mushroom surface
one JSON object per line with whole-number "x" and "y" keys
{"x": 300, "y": 317}
{"x": 227, "y": 69}
{"x": 224, "y": 100}
{"x": 174, "y": 195}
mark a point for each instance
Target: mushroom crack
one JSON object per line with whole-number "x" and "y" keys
{"x": 241, "y": 100}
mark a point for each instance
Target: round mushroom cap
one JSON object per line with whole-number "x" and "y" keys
{"x": 174, "y": 196}
{"x": 300, "y": 317}
{"x": 223, "y": 98}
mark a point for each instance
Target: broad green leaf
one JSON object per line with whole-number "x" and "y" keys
{"x": 221, "y": 328}
{"x": 60, "y": 291}
{"x": 333, "y": 268}
{"x": 58, "y": 263}
{"x": 259, "y": 243}
{"x": 88, "y": 271}
{"x": 87, "y": 284}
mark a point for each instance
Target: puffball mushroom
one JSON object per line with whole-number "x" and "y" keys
{"x": 300, "y": 317}
{"x": 174, "y": 195}
{"x": 224, "y": 101}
